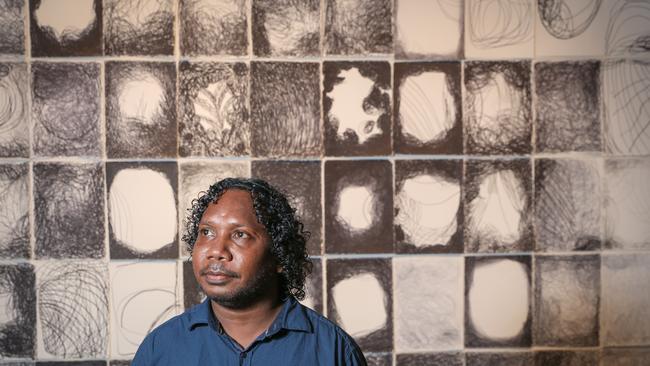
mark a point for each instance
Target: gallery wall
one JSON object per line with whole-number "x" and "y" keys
{"x": 474, "y": 174}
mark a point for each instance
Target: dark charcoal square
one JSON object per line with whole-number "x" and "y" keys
{"x": 356, "y": 108}
{"x": 12, "y": 38}
{"x": 567, "y": 358}
{"x": 428, "y": 113}
{"x": 14, "y": 211}
{"x": 71, "y": 363}
{"x": 61, "y": 40}
{"x": 379, "y": 359}
{"x": 370, "y": 280}
{"x": 285, "y": 109}
{"x": 568, "y": 105}
{"x": 192, "y": 292}
{"x": 430, "y": 359}
{"x": 18, "y": 328}
{"x": 212, "y": 110}
{"x": 136, "y": 27}
{"x": 69, "y": 210}
{"x": 358, "y": 27}
{"x": 314, "y": 287}
{"x": 626, "y": 356}
{"x": 358, "y": 206}
{"x": 140, "y": 109}
{"x": 286, "y": 28}
{"x": 66, "y": 108}
{"x": 428, "y": 206}
{"x": 499, "y": 359}
{"x": 14, "y": 110}
{"x": 213, "y": 27}
{"x": 301, "y": 181}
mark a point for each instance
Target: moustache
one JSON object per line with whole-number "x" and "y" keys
{"x": 217, "y": 268}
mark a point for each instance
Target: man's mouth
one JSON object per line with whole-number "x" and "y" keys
{"x": 217, "y": 275}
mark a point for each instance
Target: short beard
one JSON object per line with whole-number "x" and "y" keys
{"x": 252, "y": 292}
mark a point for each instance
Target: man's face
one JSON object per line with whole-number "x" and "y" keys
{"x": 231, "y": 258}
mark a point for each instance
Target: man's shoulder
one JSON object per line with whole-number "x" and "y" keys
{"x": 178, "y": 323}
{"x": 324, "y": 327}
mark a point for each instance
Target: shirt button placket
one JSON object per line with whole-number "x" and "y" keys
{"x": 242, "y": 358}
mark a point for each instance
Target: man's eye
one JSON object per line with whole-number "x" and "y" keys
{"x": 205, "y": 232}
{"x": 241, "y": 235}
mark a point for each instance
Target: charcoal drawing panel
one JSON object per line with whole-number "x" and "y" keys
{"x": 140, "y": 109}
{"x": 359, "y": 299}
{"x": 358, "y": 27}
{"x": 17, "y": 363}
{"x": 285, "y": 109}
{"x": 119, "y": 363}
{"x": 69, "y": 210}
{"x": 14, "y": 110}
{"x": 356, "y": 108}
{"x": 142, "y": 209}
{"x": 18, "y": 326}
{"x": 568, "y": 106}
{"x": 66, "y": 108}
{"x": 568, "y": 205}
{"x": 430, "y": 359}
{"x": 567, "y": 299}
{"x": 498, "y": 205}
{"x": 498, "y": 359}
{"x": 14, "y": 211}
{"x": 137, "y": 27}
{"x": 213, "y": 27}
{"x": 286, "y": 28}
{"x": 79, "y": 34}
{"x": 72, "y": 363}
{"x": 427, "y": 109}
{"x": 571, "y": 21}
{"x": 498, "y": 301}
{"x": 72, "y": 309}
{"x": 628, "y": 29}
{"x": 314, "y": 287}
{"x": 428, "y": 206}
{"x": 192, "y": 292}
{"x": 12, "y": 38}
{"x": 631, "y": 356}
{"x": 212, "y": 109}
{"x": 379, "y": 359}
{"x": 567, "y": 358}
{"x": 498, "y": 116}
{"x": 358, "y": 206}
{"x": 301, "y": 182}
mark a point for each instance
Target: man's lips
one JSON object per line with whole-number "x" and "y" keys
{"x": 215, "y": 274}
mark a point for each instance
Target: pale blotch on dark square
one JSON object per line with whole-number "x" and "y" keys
{"x": 18, "y": 328}
{"x": 14, "y": 111}
{"x": 69, "y": 210}
{"x": 358, "y": 206}
{"x": 286, "y": 28}
{"x": 357, "y": 108}
{"x": 301, "y": 182}
{"x": 430, "y": 359}
{"x": 66, "y": 109}
{"x": 134, "y": 27}
{"x": 358, "y": 27}
{"x": 14, "y": 211}
{"x": 212, "y": 109}
{"x": 213, "y": 27}
{"x": 359, "y": 299}
{"x": 428, "y": 113}
{"x": 12, "y": 38}
{"x": 141, "y": 109}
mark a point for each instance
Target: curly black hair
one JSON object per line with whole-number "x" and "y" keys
{"x": 272, "y": 209}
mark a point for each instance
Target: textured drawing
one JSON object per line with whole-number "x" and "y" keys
{"x": 627, "y": 107}
{"x": 286, "y": 28}
{"x": 626, "y": 356}
{"x": 140, "y": 306}
{"x": 72, "y": 363}
{"x": 356, "y": 108}
{"x": 427, "y": 109}
{"x": 567, "y": 19}
{"x": 142, "y": 215}
{"x": 12, "y": 39}
{"x": 497, "y": 301}
{"x": 567, "y": 299}
{"x": 428, "y": 303}
{"x": 285, "y": 109}
{"x": 498, "y": 117}
{"x": 65, "y": 27}
{"x": 14, "y": 211}
{"x": 301, "y": 182}
{"x": 359, "y": 299}
{"x": 119, "y": 362}
{"x": 627, "y": 204}
{"x": 17, "y": 310}
{"x": 498, "y": 28}
{"x": 498, "y": 359}
{"x": 498, "y": 206}
{"x": 66, "y": 108}
{"x": 14, "y": 110}
{"x": 428, "y": 206}
{"x": 358, "y": 27}
{"x": 567, "y": 112}
{"x": 140, "y": 109}
{"x": 138, "y": 27}
{"x": 628, "y": 30}
{"x": 379, "y": 359}
{"x": 212, "y": 110}
{"x": 314, "y": 287}
{"x": 192, "y": 292}
{"x": 19, "y": 363}
{"x": 430, "y": 359}
{"x": 213, "y": 27}
{"x": 69, "y": 210}
{"x": 568, "y": 205}
{"x": 567, "y": 358}
{"x": 625, "y": 315}
{"x": 431, "y": 29}
{"x": 72, "y": 309}
{"x": 358, "y": 206}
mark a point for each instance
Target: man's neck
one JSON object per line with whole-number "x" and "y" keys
{"x": 245, "y": 325}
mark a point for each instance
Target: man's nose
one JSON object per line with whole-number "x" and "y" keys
{"x": 219, "y": 248}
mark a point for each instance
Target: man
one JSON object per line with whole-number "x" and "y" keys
{"x": 249, "y": 257}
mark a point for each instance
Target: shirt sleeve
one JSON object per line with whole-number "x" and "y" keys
{"x": 354, "y": 356}
{"x": 143, "y": 355}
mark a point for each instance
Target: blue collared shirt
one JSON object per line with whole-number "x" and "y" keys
{"x": 298, "y": 336}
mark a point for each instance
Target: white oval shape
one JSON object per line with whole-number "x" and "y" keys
{"x": 141, "y": 98}
{"x": 356, "y": 207}
{"x": 361, "y": 304}
{"x": 65, "y": 17}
